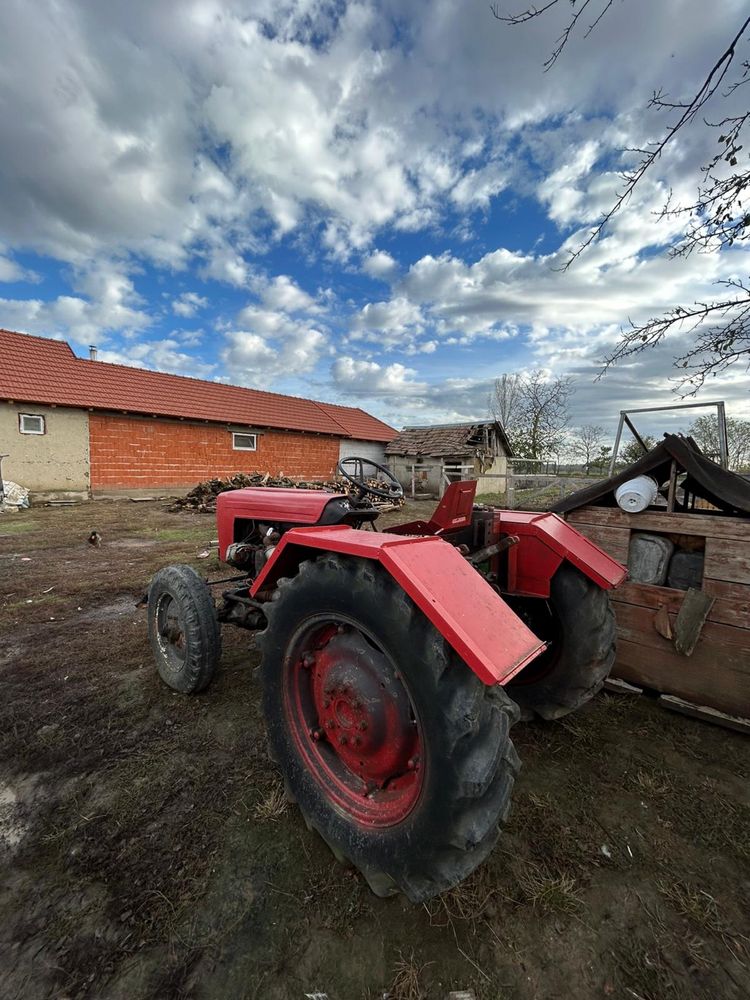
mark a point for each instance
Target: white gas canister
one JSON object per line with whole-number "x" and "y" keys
{"x": 636, "y": 494}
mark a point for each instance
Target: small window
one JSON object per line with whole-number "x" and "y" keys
{"x": 31, "y": 423}
{"x": 243, "y": 442}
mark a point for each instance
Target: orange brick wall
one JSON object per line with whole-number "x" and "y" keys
{"x": 141, "y": 453}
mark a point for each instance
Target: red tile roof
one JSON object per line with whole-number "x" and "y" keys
{"x": 39, "y": 370}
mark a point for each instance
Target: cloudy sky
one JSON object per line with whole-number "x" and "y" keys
{"x": 365, "y": 202}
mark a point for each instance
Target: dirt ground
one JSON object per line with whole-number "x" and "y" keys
{"x": 147, "y": 851}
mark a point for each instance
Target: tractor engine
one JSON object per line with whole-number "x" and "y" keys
{"x": 251, "y": 523}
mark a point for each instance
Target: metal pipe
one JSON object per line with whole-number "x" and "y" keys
{"x": 493, "y": 550}
{"x": 617, "y": 444}
{"x": 723, "y": 442}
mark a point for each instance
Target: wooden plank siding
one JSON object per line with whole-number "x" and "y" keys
{"x": 727, "y": 559}
{"x": 718, "y": 671}
{"x": 707, "y": 525}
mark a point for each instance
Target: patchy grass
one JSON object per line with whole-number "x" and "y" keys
{"x": 13, "y": 524}
{"x": 549, "y": 891}
{"x": 407, "y": 982}
{"x": 272, "y": 806}
{"x": 158, "y": 857}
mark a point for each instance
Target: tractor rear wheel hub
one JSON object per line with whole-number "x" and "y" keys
{"x": 366, "y": 707}
{"x": 352, "y": 717}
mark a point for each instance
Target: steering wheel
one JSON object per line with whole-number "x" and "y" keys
{"x": 394, "y": 490}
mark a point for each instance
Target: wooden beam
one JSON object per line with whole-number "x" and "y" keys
{"x": 705, "y": 714}
{"x": 708, "y": 524}
{"x": 732, "y": 605}
{"x": 672, "y": 487}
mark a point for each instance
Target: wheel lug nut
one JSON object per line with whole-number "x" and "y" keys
{"x": 357, "y": 741}
{"x": 343, "y": 740}
{"x": 317, "y": 734}
{"x": 362, "y": 726}
{"x": 330, "y": 724}
{"x": 326, "y": 702}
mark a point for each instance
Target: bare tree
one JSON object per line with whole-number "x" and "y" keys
{"x": 587, "y": 441}
{"x": 505, "y": 398}
{"x": 536, "y": 411}
{"x": 718, "y": 331}
{"x": 705, "y": 430}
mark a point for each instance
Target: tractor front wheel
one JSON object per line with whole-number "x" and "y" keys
{"x": 395, "y": 752}
{"x": 182, "y": 626}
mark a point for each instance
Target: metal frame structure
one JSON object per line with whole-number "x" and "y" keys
{"x": 625, "y": 419}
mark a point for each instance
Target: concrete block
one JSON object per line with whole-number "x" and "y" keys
{"x": 648, "y": 558}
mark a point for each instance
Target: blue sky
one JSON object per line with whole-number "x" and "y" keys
{"x": 362, "y": 202}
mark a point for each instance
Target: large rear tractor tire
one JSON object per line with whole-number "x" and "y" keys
{"x": 579, "y": 625}
{"x": 394, "y": 750}
{"x": 182, "y": 626}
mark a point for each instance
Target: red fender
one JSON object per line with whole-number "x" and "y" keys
{"x": 545, "y": 540}
{"x": 463, "y": 607}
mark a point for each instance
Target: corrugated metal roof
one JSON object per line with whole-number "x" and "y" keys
{"x": 40, "y": 370}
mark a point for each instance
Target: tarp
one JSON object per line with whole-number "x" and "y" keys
{"x": 722, "y": 488}
{"x": 15, "y": 496}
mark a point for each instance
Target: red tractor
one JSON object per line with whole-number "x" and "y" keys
{"x": 395, "y": 663}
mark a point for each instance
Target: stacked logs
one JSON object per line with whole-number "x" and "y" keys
{"x": 202, "y": 497}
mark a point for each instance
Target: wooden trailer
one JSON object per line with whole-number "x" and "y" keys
{"x": 693, "y": 643}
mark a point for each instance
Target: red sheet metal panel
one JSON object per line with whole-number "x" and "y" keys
{"x": 263, "y": 504}
{"x": 463, "y": 607}
{"x": 565, "y": 542}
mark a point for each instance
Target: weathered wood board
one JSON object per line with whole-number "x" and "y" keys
{"x": 717, "y": 673}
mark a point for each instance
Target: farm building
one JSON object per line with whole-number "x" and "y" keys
{"x": 427, "y": 458}
{"x": 80, "y": 426}
{"x": 683, "y": 614}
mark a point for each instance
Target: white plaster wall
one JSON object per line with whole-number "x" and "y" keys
{"x": 56, "y": 461}
{"x": 362, "y": 449}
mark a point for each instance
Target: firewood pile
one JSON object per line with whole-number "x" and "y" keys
{"x": 202, "y": 497}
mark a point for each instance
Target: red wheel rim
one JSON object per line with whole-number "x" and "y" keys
{"x": 352, "y": 721}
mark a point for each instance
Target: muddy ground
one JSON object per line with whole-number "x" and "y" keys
{"x": 147, "y": 851}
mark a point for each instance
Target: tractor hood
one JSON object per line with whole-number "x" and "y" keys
{"x": 276, "y": 505}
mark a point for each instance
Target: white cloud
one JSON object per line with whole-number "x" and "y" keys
{"x": 283, "y": 293}
{"x": 111, "y": 304}
{"x": 270, "y": 346}
{"x": 367, "y": 378}
{"x": 188, "y": 304}
{"x": 380, "y": 265}
{"x": 160, "y": 355}
{"x": 11, "y": 270}
{"x": 225, "y": 264}
{"x": 390, "y": 323}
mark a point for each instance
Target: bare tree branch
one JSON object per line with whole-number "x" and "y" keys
{"x": 719, "y": 333}
{"x": 689, "y": 108}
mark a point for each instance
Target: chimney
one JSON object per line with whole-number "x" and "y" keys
{"x": 92, "y": 352}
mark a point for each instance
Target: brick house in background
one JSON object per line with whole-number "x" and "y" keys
{"x": 81, "y": 426}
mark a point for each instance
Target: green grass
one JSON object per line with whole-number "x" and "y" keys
{"x": 491, "y": 499}
{"x": 9, "y": 525}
